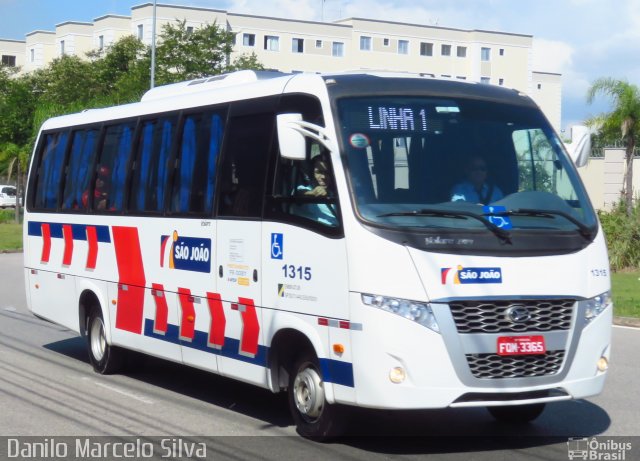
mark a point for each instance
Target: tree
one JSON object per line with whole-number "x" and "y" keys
{"x": 17, "y": 102}
{"x": 186, "y": 54}
{"x": 623, "y": 119}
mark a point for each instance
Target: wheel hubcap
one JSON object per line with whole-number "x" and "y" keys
{"x": 308, "y": 393}
{"x": 98, "y": 341}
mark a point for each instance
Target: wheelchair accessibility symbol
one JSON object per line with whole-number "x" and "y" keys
{"x": 492, "y": 213}
{"x": 277, "y": 243}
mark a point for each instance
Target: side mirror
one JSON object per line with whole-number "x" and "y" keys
{"x": 579, "y": 148}
{"x": 292, "y": 143}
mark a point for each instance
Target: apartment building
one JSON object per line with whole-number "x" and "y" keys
{"x": 289, "y": 45}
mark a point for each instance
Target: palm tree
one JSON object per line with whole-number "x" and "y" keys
{"x": 624, "y": 119}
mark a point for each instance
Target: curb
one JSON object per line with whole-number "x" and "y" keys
{"x": 10, "y": 251}
{"x": 627, "y": 322}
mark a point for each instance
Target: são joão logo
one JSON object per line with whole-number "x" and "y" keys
{"x": 470, "y": 275}
{"x": 185, "y": 253}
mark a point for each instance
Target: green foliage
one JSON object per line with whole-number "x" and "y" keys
{"x": 623, "y": 236}
{"x": 184, "y": 54}
{"x": 245, "y": 61}
{"x": 17, "y": 102}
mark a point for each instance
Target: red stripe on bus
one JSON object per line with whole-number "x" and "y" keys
{"x": 92, "y": 240}
{"x": 46, "y": 243}
{"x": 67, "y": 233}
{"x": 162, "y": 310}
{"x": 218, "y": 320}
{"x": 129, "y": 312}
{"x": 188, "y": 322}
{"x": 250, "y": 328}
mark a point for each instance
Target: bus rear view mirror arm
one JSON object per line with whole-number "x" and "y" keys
{"x": 292, "y": 131}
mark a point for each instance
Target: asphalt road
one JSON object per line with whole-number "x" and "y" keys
{"x": 47, "y": 388}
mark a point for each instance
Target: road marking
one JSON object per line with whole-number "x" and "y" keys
{"x": 120, "y": 391}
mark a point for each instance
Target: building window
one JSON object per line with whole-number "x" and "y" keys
{"x": 101, "y": 42}
{"x": 486, "y": 80}
{"x": 460, "y": 77}
{"x": 249, "y": 39}
{"x": 385, "y": 42}
{"x": 337, "y": 49}
{"x": 365, "y": 43}
{"x": 403, "y": 47}
{"x": 140, "y": 31}
{"x": 297, "y": 45}
{"x": 445, "y": 75}
{"x": 189, "y": 30}
{"x": 501, "y": 81}
{"x": 318, "y": 43}
{"x": 445, "y": 50}
{"x": 485, "y": 54}
{"x": 501, "y": 51}
{"x": 32, "y": 54}
{"x": 61, "y": 47}
{"x": 461, "y": 51}
{"x": 539, "y": 86}
{"x": 271, "y": 43}
{"x": 426, "y": 49}
{"x": 9, "y": 61}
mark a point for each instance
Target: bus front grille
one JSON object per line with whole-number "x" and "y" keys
{"x": 494, "y": 316}
{"x": 493, "y": 366}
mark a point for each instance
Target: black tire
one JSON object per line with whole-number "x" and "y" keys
{"x": 518, "y": 414}
{"x": 104, "y": 358}
{"x": 314, "y": 417}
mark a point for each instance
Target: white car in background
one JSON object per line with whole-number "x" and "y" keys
{"x": 8, "y": 196}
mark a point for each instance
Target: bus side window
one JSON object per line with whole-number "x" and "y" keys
{"x": 112, "y": 168}
{"x": 152, "y": 165}
{"x": 243, "y": 170}
{"x": 76, "y": 186}
{"x": 194, "y": 178}
{"x": 51, "y": 170}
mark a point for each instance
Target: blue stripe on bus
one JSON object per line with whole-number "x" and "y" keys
{"x": 79, "y": 231}
{"x": 333, "y": 371}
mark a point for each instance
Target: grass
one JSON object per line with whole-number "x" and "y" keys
{"x": 10, "y": 236}
{"x": 625, "y": 287}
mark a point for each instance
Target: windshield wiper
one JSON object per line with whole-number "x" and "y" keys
{"x": 502, "y": 234}
{"x": 583, "y": 229}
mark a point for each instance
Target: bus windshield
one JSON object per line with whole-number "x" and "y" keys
{"x": 469, "y": 164}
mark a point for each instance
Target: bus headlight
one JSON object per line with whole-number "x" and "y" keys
{"x": 418, "y": 312}
{"x": 594, "y": 306}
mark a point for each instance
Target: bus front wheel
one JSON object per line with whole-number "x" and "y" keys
{"x": 517, "y": 413}
{"x": 313, "y": 416}
{"x": 104, "y": 358}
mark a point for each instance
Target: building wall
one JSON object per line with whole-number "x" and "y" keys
{"x": 40, "y": 49}
{"x": 604, "y": 177}
{"x": 547, "y": 93}
{"x": 13, "y": 48}
{"x": 77, "y": 38}
{"x": 111, "y": 28}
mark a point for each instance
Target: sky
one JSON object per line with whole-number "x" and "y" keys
{"x": 581, "y": 39}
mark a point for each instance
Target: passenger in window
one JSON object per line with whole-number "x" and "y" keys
{"x": 476, "y": 188}
{"x": 100, "y": 192}
{"x": 321, "y": 185}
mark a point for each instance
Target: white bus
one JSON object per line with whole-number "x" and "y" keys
{"x": 319, "y": 235}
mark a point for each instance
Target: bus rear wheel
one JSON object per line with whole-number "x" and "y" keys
{"x": 313, "y": 416}
{"x": 517, "y": 413}
{"x": 104, "y": 358}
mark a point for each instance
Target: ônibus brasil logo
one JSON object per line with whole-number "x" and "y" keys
{"x": 470, "y": 275}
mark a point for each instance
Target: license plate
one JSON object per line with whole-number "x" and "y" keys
{"x": 521, "y": 345}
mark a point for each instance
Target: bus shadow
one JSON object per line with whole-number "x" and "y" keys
{"x": 378, "y": 431}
